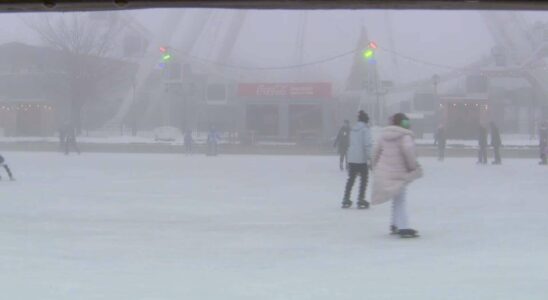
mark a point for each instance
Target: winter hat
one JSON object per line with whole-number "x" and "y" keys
{"x": 400, "y": 119}
{"x": 363, "y": 117}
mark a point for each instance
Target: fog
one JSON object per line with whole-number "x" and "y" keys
{"x": 266, "y": 46}
{"x": 273, "y": 154}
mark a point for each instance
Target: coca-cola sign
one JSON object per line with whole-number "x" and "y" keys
{"x": 287, "y": 90}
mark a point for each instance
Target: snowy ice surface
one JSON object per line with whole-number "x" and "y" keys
{"x": 138, "y": 226}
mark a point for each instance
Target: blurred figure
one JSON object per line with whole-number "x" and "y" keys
{"x": 188, "y": 141}
{"x": 440, "y": 139}
{"x": 213, "y": 139}
{"x": 70, "y": 139}
{"x": 482, "y": 145}
{"x": 359, "y": 155}
{"x": 395, "y": 166}
{"x": 5, "y": 166}
{"x": 543, "y": 142}
{"x": 496, "y": 143}
{"x": 62, "y": 137}
{"x": 342, "y": 142}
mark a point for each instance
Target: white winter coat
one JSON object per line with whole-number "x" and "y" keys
{"x": 394, "y": 163}
{"x": 359, "y": 151}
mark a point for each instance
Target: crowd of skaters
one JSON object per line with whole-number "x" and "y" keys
{"x": 393, "y": 161}
{"x": 440, "y": 140}
{"x": 212, "y": 142}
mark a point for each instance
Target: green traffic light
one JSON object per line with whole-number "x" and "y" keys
{"x": 368, "y": 54}
{"x": 166, "y": 57}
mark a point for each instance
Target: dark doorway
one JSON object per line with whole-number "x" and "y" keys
{"x": 262, "y": 119}
{"x": 305, "y": 119}
{"x": 463, "y": 120}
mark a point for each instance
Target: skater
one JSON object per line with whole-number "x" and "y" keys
{"x": 395, "y": 166}
{"x": 62, "y": 138}
{"x": 482, "y": 145}
{"x": 543, "y": 142}
{"x": 342, "y": 141}
{"x": 496, "y": 143}
{"x": 213, "y": 139}
{"x": 359, "y": 155}
{"x": 70, "y": 139}
{"x": 440, "y": 140}
{"x": 188, "y": 142}
{"x": 5, "y": 166}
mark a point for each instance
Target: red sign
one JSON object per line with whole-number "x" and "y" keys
{"x": 287, "y": 90}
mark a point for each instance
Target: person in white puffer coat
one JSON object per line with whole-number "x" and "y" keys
{"x": 395, "y": 166}
{"x": 358, "y": 156}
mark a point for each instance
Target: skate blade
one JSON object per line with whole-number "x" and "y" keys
{"x": 409, "y": 236}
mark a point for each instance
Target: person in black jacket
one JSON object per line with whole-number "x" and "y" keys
{"x": 543, "y": 142}
{"x": 342, "y": 142}
{"x": 496, "y": 143}
{"x": 440, "y": 139}
{"x": 482, "y": 144}
{"x": 5, "y": 166}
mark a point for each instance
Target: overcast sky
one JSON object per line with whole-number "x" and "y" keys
{"x": 268, "y": 38}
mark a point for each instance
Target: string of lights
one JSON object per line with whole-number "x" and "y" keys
{"x": 368, "y": 54}
{"x": 295, "y": 66}
{"x": 423, "y": 62}
{"x": 24, "y": 107}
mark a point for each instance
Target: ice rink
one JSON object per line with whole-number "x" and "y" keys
{"x": 136, "y": 226}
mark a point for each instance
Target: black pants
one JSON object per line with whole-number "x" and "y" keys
{"x": 71, "y": 143}
{"x": 353, "y": 171}
{"x": 7, "y": 170}
{"x": 482, "y": 155}
{"x": 441, "y": 153}
{"x": 342, "y": 160}
{"x": 496, "y": 151}
{"x": 212, "y": 149}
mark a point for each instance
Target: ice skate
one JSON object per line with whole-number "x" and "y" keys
{"x": 362, "y": 204}
{"x": 408, "y": 233}
{"x": 346, "y": 204}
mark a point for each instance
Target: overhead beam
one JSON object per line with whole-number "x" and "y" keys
{"x": 85, "y": 5}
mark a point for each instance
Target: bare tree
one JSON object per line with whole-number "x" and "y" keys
{"x": 87, "y": 41}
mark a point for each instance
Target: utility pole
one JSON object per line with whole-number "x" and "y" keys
{"x": 378, "y": 102}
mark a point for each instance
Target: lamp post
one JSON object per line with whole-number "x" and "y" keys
{"x": 435, "y": 82}
{"x": 133, "y": 110}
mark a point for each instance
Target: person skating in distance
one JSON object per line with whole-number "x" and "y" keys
{"x": 482, "y": 145}
{"x": 543, "y": 142}
{"x": 342, "y": 142}
{"x": 6, "y": 167}
{"x": 188, "y": 142}
{"x": 440, "y": 140}
{"x": 213, "y": 139}
{"x": 359, "y": 155}
{"x": 496, "y": 143}
{"x": 395, "y": 166}
{"x": 70, "y": 139}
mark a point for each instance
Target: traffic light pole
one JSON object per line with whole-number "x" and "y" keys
{"x": 378, "y": 102}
